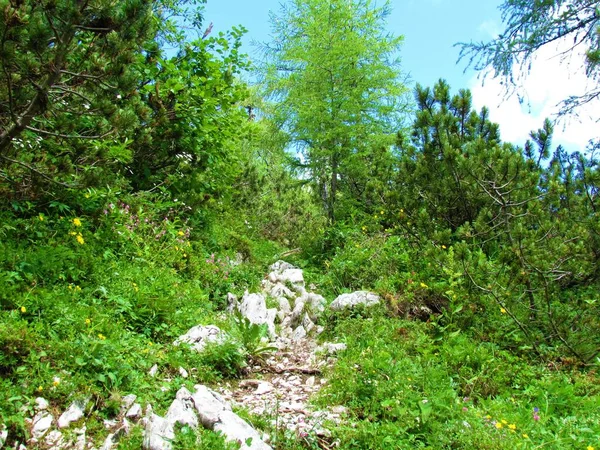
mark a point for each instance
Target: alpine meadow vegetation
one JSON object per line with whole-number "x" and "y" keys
{"x": 143, "y": 178}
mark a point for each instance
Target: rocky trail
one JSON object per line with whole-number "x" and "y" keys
{"x": 277, "y": 388}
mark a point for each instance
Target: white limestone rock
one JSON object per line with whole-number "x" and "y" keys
{"x": 307, "y": 323}
{"x": 182, "y": 410}
{"x": 263, "y": 387}
{"x": 215, "y": 413}
{"x": 284, "y": 306}
{"x": 128, "y": 401}
{"x": 109, "y": 442}
{"x": 234, "y": 428}
{"x": 74, "y": 413}
{"x": 80, "y": 438}
{"x": 280, "y": 290}
{"x": 254, "y": 308}
{"x": 42, "y": 422}
{"x": 356, "y": 298}
{"x": 299, "y": 307}
{"x": 153, "y": 370}
{"x": 232, "y": 302}
{"x": 55, "y": 440}
{"x": 299, "y": 334}
{"x": 159, "y": 434}
{"x": 41, "y": 404}
{"x": 135, "y": 412}
{"x": 199, "y": 336}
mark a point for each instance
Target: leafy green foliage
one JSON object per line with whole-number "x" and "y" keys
{"x": 139, "y": 188}
{"x": 335, "y": 77}
{"x": 405, "y": 389}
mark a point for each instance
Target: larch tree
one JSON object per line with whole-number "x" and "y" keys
{"x": 334, "y": 73}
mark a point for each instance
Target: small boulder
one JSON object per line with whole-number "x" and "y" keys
{"x": 264, "y": 387}
{"x": 254, "y": 308}
{"x": 159, "y": 434}
{"x": 127, "y": 401}
{"x": 153, "y": 370}
{"x": 41, "y": 404}
{"x": 299, "y": 334}
{"x": 215, "y": 414}
{"x": 232, "y": 302}
{"x": 80, "y": 443}
{"x": 356, "y": 298}
{"x": 55, "y": 440}
{"x": 135, "y": 412}
{"x": 182, "y": 409}
{"x": 74, "y": 413}
{"x": 41, "y": 424}
{"x": 280, "y": 290}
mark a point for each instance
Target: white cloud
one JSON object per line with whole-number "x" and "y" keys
{"x": 490, "y": 28}
{"x": 550, "y": 80}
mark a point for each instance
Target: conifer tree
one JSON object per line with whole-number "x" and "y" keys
{"x": 334, "y": 71}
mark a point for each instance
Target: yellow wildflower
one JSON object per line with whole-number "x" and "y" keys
{"x": 88, "y": 321}
{"x": 70, "y": 287}
{"x": 381, "y": 212}
{"x": 180, "y": 233}
{"x": 87, "y": 195}
{"x": 504, "y": 421}
{"x": 423, "y": 285}
{"x": 23, "y": 309}
{"x": 56, "y": 381}
{"x": 40, "y": 389}
{"x": 101, "y": 336}
{"x": 512, "y": 426}
{"x": 589, "y": 447}
{"x": 77, "y": 289}
{"x": 525, "y": 435}
{"x": 79, "y": 238}
{"x": 502, "y": 310}
{"x": 72, "y": 233}
{"x": 76, "y": 222}
{"x": 498, "y": 425}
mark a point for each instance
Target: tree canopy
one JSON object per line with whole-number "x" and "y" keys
{"x": 333, "y": 72}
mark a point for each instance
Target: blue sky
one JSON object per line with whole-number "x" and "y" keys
{"x": 431, "y": 28}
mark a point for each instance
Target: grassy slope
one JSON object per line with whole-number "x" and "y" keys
{"x": 90, "y": 318}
